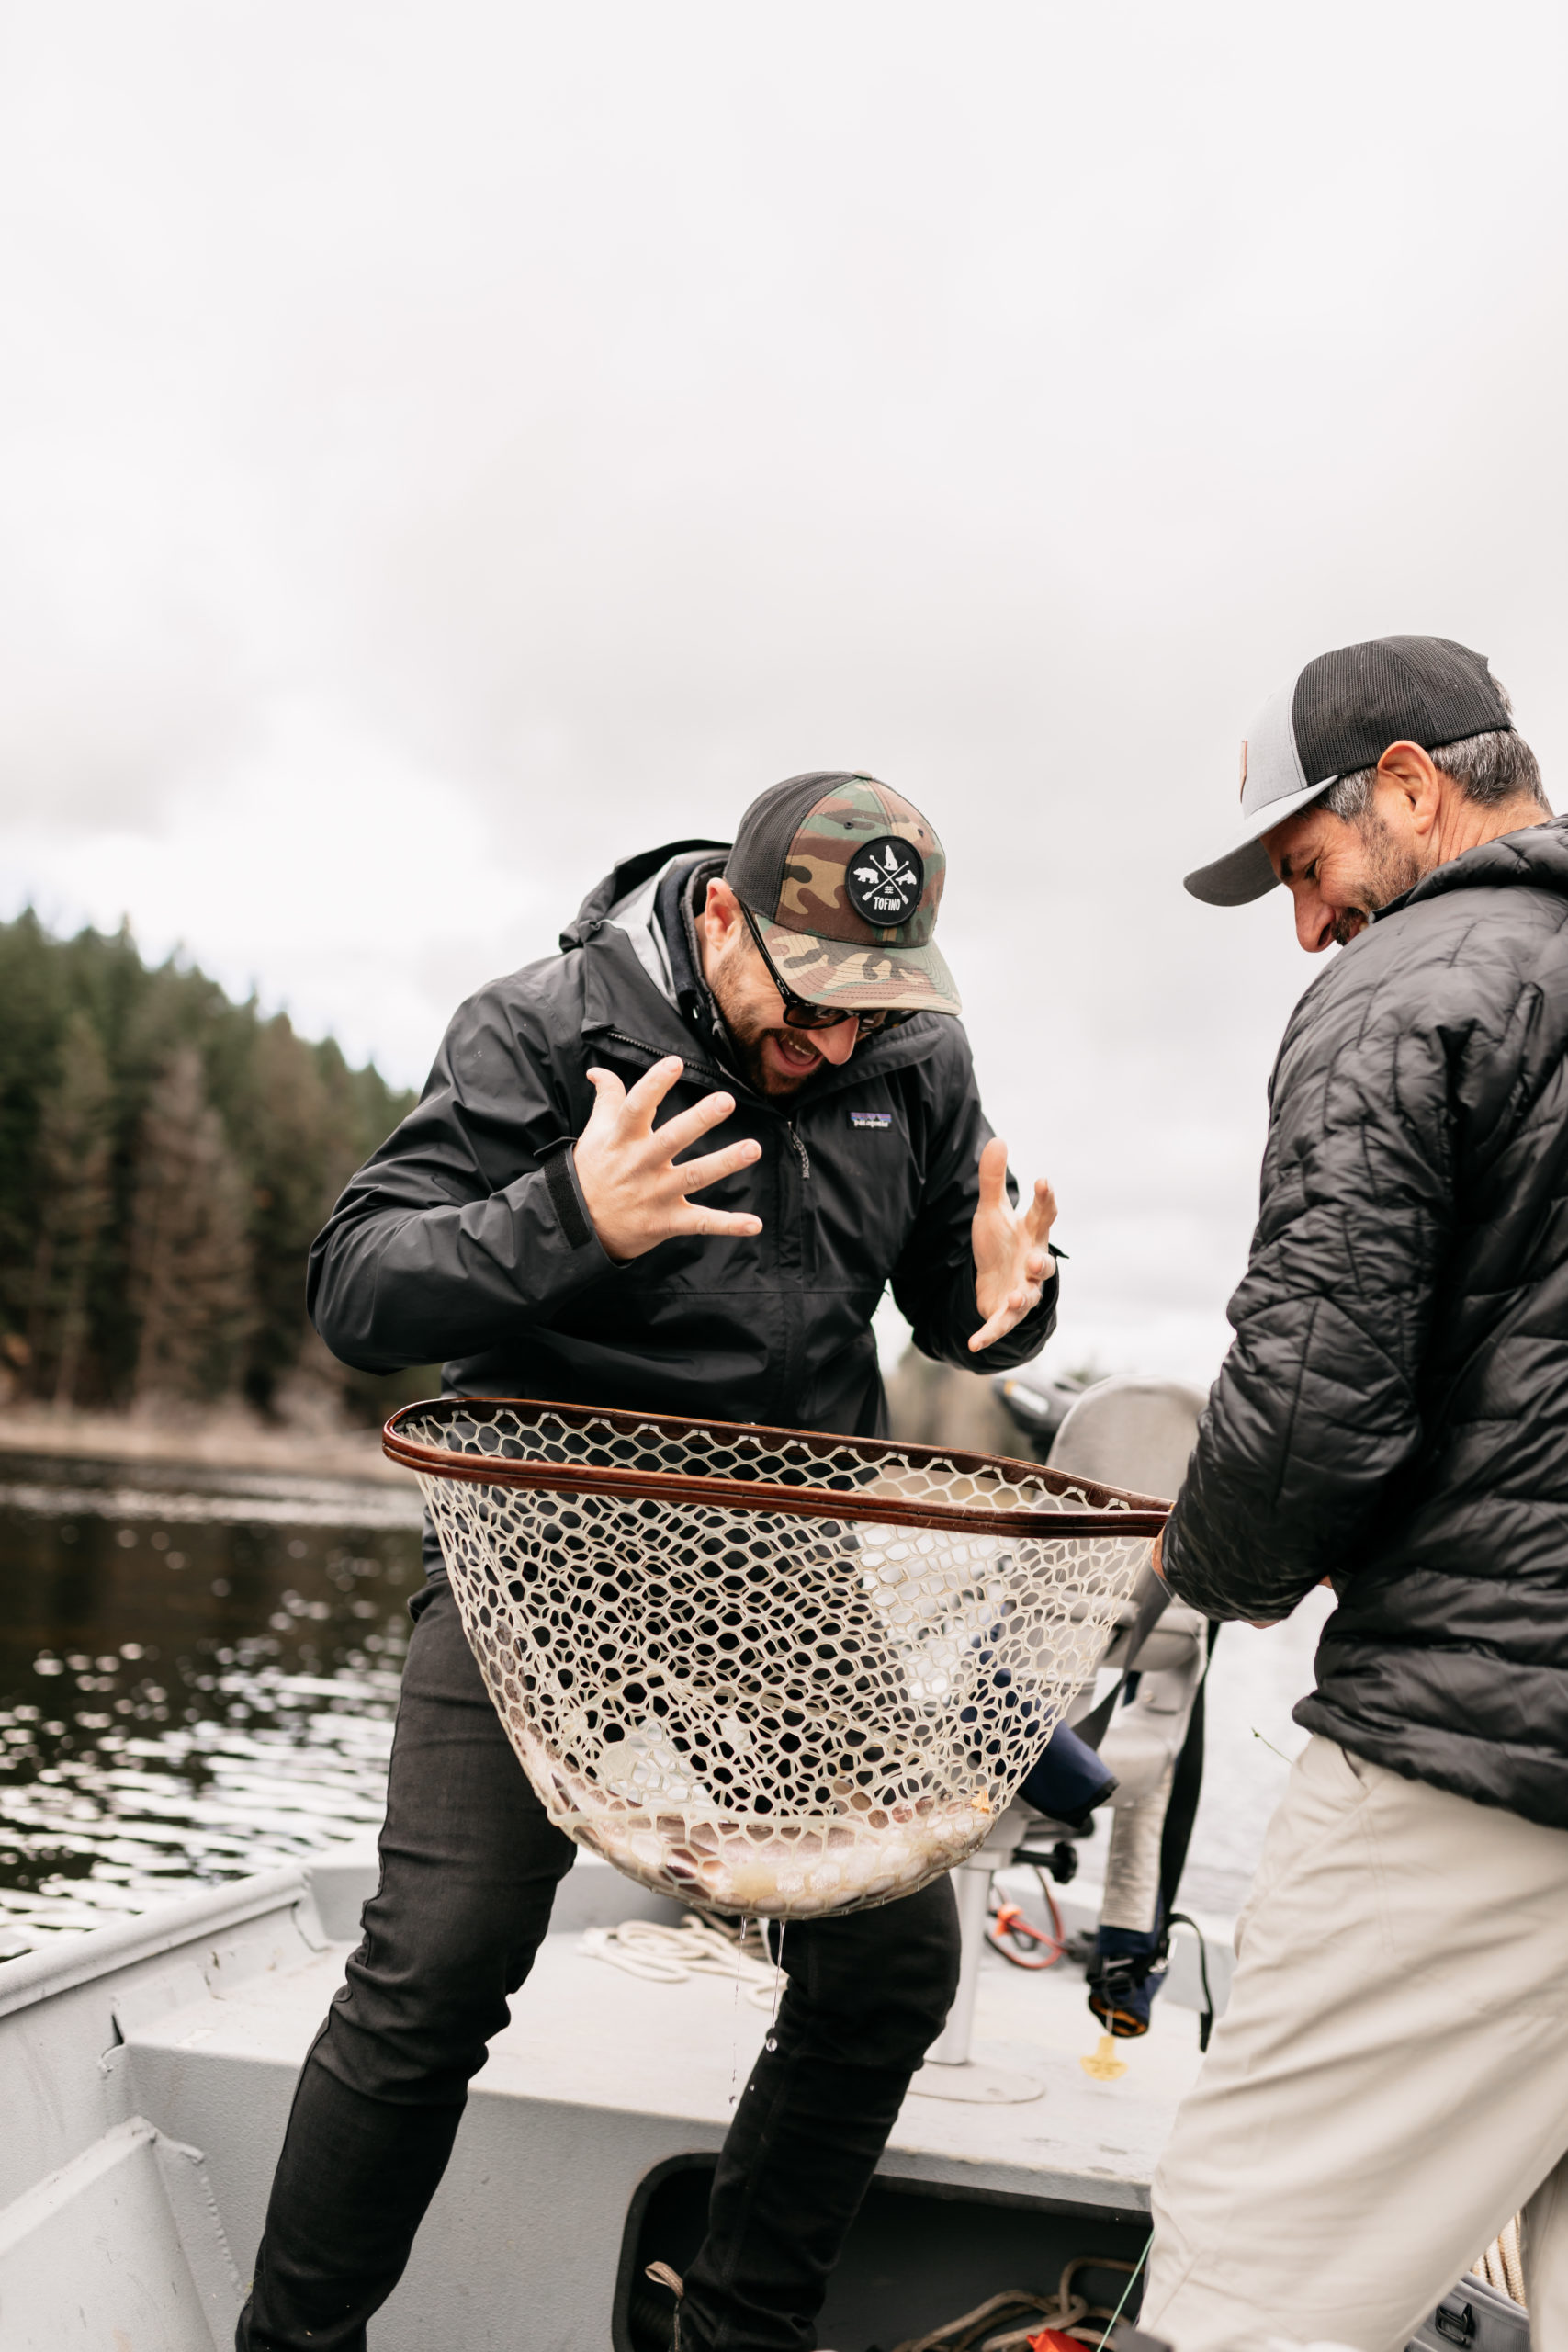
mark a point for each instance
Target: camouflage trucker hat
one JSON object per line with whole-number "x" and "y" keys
{"x": 844, "y": 877}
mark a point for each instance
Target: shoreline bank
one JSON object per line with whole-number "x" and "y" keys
{"x": 229, "y": 1439}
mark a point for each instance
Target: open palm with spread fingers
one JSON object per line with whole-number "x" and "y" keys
{"x": 636, "y": 1195}
{"x": 1012, "y": 1260}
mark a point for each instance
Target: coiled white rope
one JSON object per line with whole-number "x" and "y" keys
{"x": 669, "y": 1955}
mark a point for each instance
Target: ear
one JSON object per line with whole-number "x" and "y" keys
{"x": 721, "y": 914}
{"x": 1406, "y": 773}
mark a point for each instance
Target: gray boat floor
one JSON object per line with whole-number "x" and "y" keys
{"x": 166, "y": 2052}
{"x": 587, "y": 2035}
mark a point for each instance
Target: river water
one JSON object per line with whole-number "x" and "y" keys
{"x": 199, "y": 1671}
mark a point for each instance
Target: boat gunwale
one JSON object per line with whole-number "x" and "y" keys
{"x": 76, "y": 1957}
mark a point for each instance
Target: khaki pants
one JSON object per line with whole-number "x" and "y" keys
{"x": 1390, "y": 2084}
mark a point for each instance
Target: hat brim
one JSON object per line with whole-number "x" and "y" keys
{"x": 1244, "y": 872}
{"x": 841, "y": 972}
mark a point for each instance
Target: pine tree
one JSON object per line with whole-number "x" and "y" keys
{"x": 189, "y": 1264}
{"x": 34, "y": 998}
{"x": 285, "y": 1134}
{"x": 91, "y": 1249}
{"x": 73, "y": 1153}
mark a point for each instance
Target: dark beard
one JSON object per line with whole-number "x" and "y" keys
{"x": 740, "y": 1045}
{"x": 749, "y": 1053}
{"x": 1389, "y": 872}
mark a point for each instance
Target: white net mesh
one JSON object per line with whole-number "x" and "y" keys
{"x": 764, "y": 1672}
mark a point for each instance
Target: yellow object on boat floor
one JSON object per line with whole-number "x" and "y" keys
{"x": 1105, "y": 2065}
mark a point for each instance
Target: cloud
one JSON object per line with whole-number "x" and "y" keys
{"x": 320, "y": 868}
{"x": 446, "y": 449}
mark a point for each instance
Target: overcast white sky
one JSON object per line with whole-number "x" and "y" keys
{"x": 448, "y": 447}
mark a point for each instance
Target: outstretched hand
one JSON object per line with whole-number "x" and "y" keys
{"x": 1012, "y": 1262}
{"x": 636, "y": 1195}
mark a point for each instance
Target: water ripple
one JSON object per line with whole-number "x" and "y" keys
{"x": 197, "y": 1679}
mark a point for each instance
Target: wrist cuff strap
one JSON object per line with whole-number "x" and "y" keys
{"x": 556, "y": 1161}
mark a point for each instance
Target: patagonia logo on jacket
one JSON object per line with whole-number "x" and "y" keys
{"x": 871, "y": 1118}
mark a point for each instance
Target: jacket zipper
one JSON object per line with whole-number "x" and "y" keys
{"x": 642, "y": 1046}
{"x": 661, "y": 1053}
{"x": 785, "y": 1379}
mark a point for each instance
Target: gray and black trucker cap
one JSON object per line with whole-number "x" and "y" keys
{"x": 1339, "y": 714}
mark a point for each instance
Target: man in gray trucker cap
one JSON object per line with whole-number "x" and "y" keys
{"x": 1335, "y": 718}
{"x": 1390, "y": 2085}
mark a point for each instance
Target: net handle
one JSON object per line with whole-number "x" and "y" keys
{"x": 1120, "y": 1514}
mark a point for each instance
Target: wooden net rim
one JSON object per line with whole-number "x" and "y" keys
{"x": 1113, "y": 1511}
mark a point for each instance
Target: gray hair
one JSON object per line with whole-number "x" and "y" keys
{"x": 1489, "y": 768}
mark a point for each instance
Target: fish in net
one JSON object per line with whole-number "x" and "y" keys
{"x": 759, "y": 1671}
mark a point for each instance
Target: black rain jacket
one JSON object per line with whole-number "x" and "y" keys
{"x": 1394, "y": 1412}
{"x": 466, "y": 1237}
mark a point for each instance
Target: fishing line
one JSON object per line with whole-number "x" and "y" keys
{"x": 735, "y": 2016}
{"x": 778, "y": 1981}
{"x": 1125, "y": 2292}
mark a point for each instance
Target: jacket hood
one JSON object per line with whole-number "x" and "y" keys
{"x": 1536, "y": 858}
{"x": 623, "y": 879}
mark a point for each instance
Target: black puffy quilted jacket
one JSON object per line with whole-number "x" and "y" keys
{"x": 1394, "y": 1412}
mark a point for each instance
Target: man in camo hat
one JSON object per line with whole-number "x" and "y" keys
{"x": 845, "y": 885}
{"x": 672, "y": 1169}
{"x": 827, "y": 903}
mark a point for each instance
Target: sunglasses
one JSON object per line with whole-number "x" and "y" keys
{"x": 799, "y": 1013}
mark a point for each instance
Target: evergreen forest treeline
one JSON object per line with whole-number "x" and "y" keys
{"x": 166, "y": 1158}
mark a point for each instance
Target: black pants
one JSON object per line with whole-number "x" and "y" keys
{"x": 470, "y": 1866}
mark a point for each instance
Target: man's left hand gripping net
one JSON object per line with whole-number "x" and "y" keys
{"x": 759, "y": 1670}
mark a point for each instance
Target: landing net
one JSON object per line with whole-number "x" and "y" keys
{"x": 762, "y": 1671}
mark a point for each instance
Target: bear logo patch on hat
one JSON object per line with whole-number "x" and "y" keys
{"x": 884, "y": 879}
